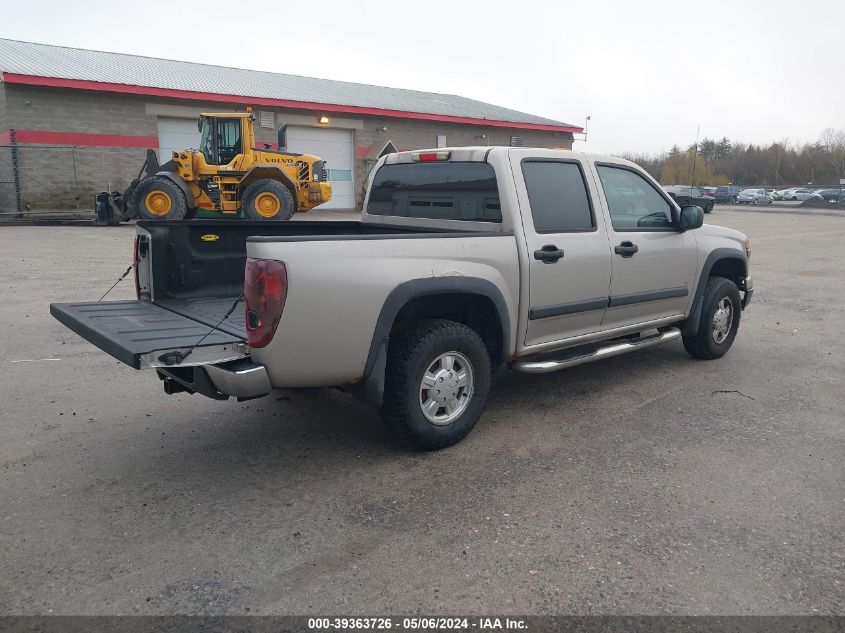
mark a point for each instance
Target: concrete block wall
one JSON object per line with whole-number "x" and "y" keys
{"x": 61, "y": 177}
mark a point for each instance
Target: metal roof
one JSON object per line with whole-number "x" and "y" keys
{"x": 81, "y": 65}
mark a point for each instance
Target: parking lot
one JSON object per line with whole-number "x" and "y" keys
{"x": 649, "y": 483}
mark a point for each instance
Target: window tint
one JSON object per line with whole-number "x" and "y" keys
{"x": 633, "y": 203}
{"x": 443, "y": 191}
{"x": 558, "y": 196}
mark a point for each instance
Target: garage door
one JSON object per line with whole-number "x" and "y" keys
{"x": 334, "y": 147}
{"x": 175, "y": 135}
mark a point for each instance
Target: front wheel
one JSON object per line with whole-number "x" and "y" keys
{"x": 720, "y": 312}
{"x": 268, "y": 199}
{"x": 159, "y": 198}
{"x": 436, "y": 383}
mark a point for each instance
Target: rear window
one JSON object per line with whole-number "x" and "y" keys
{"x": 440, "y": 191}
{"x": 558, "y": 197}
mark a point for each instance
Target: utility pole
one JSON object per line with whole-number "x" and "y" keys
{"x": 694, "y": 156}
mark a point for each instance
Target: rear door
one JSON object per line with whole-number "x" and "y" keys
{"x": 653, "y": 264}
{"x": 568, "y": 254}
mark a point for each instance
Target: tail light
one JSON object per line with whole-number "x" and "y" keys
{"x": 424, "y": 157}
{"x": 265, "y": 292}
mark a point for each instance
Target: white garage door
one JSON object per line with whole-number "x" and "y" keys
{"x": 335, "y": 147}
{"x": 175, "y": 135}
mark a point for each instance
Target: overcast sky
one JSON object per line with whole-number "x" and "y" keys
{"x": 647, "y": 72}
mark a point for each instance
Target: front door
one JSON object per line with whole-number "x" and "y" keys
{"x": 653, "y": 264}
{"x": 568, "y": 256}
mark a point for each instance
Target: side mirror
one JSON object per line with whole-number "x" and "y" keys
{"x": 691, "y": 218}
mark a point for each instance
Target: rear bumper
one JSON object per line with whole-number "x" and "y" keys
{"x": 240, "y": 379}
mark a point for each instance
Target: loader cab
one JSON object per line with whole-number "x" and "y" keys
{"x": 222, "y": 137}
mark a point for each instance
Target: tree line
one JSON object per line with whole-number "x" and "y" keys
{"x": 722, "y": 162}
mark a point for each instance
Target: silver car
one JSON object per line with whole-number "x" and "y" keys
{"x": 754, "y": 196}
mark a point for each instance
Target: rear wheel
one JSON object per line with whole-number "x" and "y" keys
{"x": 159, "y": 198}
{"x": 268, "y": 199}
{"x": 436, "y": 384}
{"x": 720, "y": 312}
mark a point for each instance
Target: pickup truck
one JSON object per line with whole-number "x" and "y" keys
{"x": 464, "y": 260}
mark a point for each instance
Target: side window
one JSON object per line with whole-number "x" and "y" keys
{"x": 228, "y": 139}
{"x": 558, "y": 196}
{"x": 632, "y": 201}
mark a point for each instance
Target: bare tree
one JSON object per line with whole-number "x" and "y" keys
{"x": 833, "y": 140}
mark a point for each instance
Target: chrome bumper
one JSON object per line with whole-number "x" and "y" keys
{"x": 747, "y": 286}
{"x": 241, "y": 379}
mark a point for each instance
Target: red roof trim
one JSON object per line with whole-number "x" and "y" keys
{"x": 83, "y": 84}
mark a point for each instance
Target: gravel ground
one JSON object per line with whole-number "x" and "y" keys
{"x": 650, "y": 483}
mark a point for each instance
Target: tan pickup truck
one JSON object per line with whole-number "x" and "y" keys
{"x": 464, "y": 260}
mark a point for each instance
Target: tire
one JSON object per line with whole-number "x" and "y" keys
{"x": 159, "y": 198}
{"x": 268, "y": 199}
{"x": 733, "y": 200}
{"x": 420, "y": 350}
{"x": 709, "y": 208}
{"x": 706, "y": 344}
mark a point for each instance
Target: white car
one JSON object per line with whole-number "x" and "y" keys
{"x": 754, "y": 196}
{"x": 799, "y": 194}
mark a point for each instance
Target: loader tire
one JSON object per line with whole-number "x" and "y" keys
{"x": 268, "y": 199}
{"x": 160, "y": 198}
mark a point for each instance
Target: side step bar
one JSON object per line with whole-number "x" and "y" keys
{"x": 549, "y": 365}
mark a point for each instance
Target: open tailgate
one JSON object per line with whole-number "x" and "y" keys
{"x": 143, "y": 334}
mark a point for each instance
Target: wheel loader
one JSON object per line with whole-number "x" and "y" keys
{"x": 228, "y": 176}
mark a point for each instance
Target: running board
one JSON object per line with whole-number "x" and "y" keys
{"x": 554, "y": 364}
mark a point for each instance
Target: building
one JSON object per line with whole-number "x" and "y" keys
{"x": 74, "y": 122}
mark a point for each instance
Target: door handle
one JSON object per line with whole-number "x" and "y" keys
{"x": 626, "y": 249}
{"x": 549, "y": 254}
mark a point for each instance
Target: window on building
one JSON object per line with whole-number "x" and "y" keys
{"x": 558, "y": 196}
{"x": 267, "y": 119}
{"x": 441, "y": 140}
{"x": 517, "y": 141}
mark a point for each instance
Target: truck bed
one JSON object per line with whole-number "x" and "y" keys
{"x": 198, "y": 266}
{"x": 195, "y": 272}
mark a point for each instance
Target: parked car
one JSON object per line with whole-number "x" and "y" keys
{"x": 727, "y": 193}
{"x": 754, "y": 196}
{"x": 831, "y": 195}
{"x": 465, "y": 259}
{"x": 799, "y": 194}
{"x": 710, "y": 192}
{"x": 686, "y": 196}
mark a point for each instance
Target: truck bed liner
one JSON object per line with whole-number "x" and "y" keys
{"x": 209, "y": 311}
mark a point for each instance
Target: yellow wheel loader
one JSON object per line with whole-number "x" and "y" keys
{"x": 228, "y": 176}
